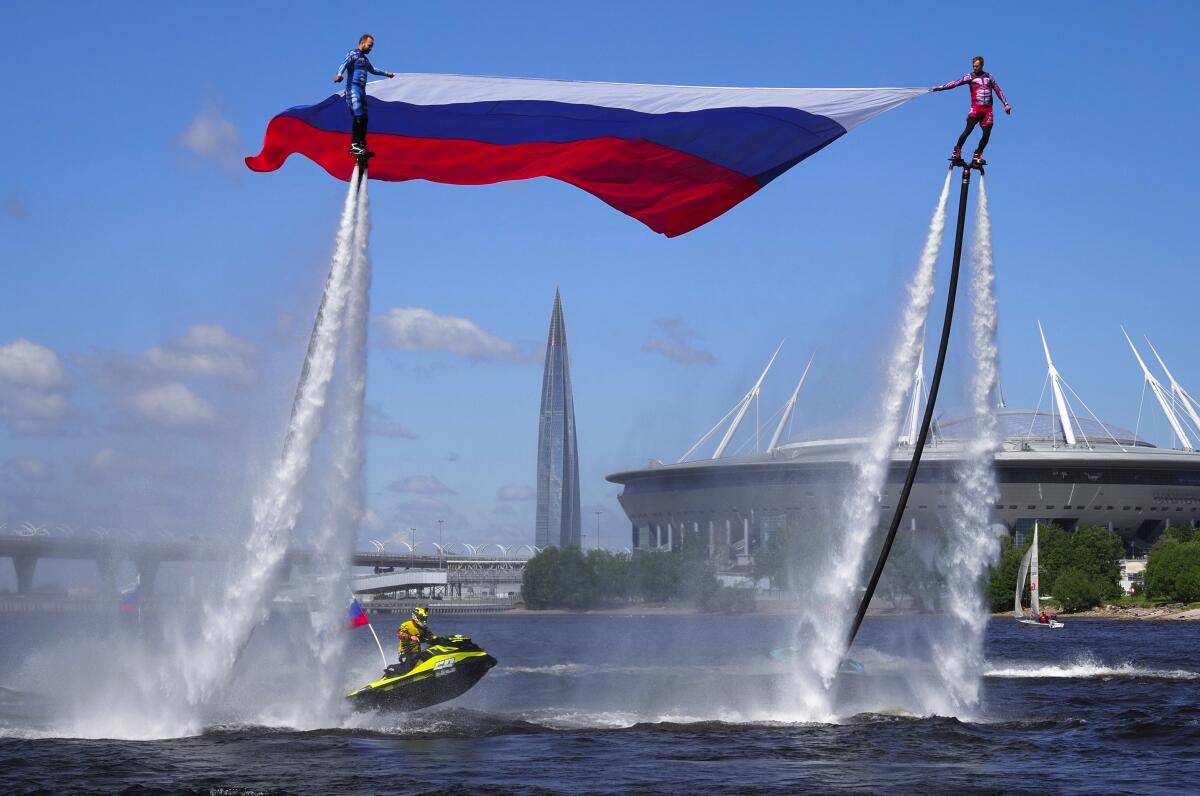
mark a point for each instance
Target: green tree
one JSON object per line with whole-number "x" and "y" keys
{"x": 773, "y": 560}
{"x": 1003, "y": 578}
{"x": 1097, "y": 553}
{"x": 559, "y": 577}
{"x": 1056, "y": 552}
{"x": 1177, "y": 533}
{"x": 1075, "y": 590}
{"x": 577, "y": 581}
{"x": 656, "y": 576}
{"x": 725, "y": 600}
{"x": 611, "y": 574}
{"x": 540, "y": 582}
{"x": 1173, "y": 571}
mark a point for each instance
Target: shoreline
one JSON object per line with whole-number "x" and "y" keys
{"x": 1177, "y": 612}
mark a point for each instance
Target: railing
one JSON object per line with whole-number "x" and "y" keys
{"x": 448, "y": 606}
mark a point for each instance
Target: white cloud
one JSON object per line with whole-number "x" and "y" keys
{"x": 214, "y": 138}
{"x": 33, "y": 386}
{"x": 172, "y": 405}
{"x": 516, "y": 492}
{"x": 677, "y": 345}
{"x": 208, "y": 351}
{"x": 420, "y": 485}
{"x": 28, "y": 364}
{"x": 423, "y": 504}
{"x": 110, "y": 464}
{"x": 104, "y": 463}
{"x": 379, "y": 424}
{"x": 31, "y": 469}
{"x": 419, "y": 329}
{"x": 371, "y": 521}
{"x": 423, "y": 512}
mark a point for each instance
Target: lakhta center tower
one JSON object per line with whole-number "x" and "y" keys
{"x": 558, "y": 513}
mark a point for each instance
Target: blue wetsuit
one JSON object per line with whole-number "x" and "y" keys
{"x": 356, "y": 66}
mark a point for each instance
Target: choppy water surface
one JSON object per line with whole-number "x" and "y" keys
{"x": 607, "y": 704}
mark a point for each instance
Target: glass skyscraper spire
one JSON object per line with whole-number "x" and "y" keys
{"x": 558, "y": 513}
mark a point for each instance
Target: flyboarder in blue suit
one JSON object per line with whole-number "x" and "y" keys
{"x": 356, "y": 66}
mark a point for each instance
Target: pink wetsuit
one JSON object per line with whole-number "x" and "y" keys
{"x": 982, "y": 85}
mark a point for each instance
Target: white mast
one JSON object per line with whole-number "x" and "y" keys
{"x": 1160, "y": 394}
{"x": 1034, "y": 601}
{"x": 710, "y": 432}
{"x": 909, "y": 437}
{"x": 745, "y": 404}
{"x": 1060, "y": 401}
{"x": 1185, "y": 398}
{"x": 787, "y": 409}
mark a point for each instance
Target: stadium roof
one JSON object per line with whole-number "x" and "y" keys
{"x": 1044, "y": 427}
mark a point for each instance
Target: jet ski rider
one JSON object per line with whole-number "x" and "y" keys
{"x": 411, "y": 634}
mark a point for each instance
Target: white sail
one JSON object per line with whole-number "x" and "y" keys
{"x": 1034, "y": 606}
{"x": 1017, "y": 610}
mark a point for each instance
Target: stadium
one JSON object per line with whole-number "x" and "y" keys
{"x": 1052, "y": 467}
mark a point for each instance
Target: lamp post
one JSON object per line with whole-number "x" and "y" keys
{"x": 413, "y": 547}
{"x": 597, "y": 513}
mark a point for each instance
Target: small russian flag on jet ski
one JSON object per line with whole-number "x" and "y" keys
{"x": 131, "y": 601}
{"x": 355, "y": 615}
{"x": 673, "y": 157}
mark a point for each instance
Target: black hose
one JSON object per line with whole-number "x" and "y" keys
{"x": 926, "y": 421}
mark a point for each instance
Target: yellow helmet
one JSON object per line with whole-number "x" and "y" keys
{"x": 420, "y": 615}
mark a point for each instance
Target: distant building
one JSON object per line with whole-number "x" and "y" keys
{"x": 558, "y": 513}
{"x": 1052, "y": 467}
{"x": 1133, "y": 575}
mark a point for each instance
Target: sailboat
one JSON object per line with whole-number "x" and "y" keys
{"x": 1029, "y": 564}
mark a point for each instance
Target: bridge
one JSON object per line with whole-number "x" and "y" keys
{"x": 147, "y": 555}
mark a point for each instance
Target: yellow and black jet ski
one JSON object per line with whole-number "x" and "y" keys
{"x": 448, "y": 667}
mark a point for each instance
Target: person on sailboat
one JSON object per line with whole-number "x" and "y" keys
{"x": 1043, "y": 618}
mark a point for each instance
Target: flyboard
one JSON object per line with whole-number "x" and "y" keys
{"x": 362, "y": 164}
{"x": 1029, "y": 566}
{"x": 847, "y": 666}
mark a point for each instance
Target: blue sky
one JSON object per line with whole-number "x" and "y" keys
{"x": 174, "y": 289}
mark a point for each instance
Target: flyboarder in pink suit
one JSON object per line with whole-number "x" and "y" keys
{"x": 982, "y": 85}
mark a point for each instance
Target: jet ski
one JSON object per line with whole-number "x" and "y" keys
{"x": 448, "y": 667}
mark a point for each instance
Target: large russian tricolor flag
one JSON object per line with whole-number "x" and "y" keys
{"x": 673, "y": 157}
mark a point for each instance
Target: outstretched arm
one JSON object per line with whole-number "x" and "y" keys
{"x": 952, "y": 84}
{"x": 371, "y": 68}
{"x": 1000, "y": 94}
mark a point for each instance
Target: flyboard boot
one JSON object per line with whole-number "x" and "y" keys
{"x": 956, "y": 158}
{"x": 362, "y": 155}
{"x": 977, "y": 162}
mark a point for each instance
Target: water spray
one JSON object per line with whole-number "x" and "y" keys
{"x": 334, "y": 542}
{"x": 926, "y": 421}
{"x": 834, "y": 587}
{"x": 972, "y": 545}
{"x": 231, "y": 617}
